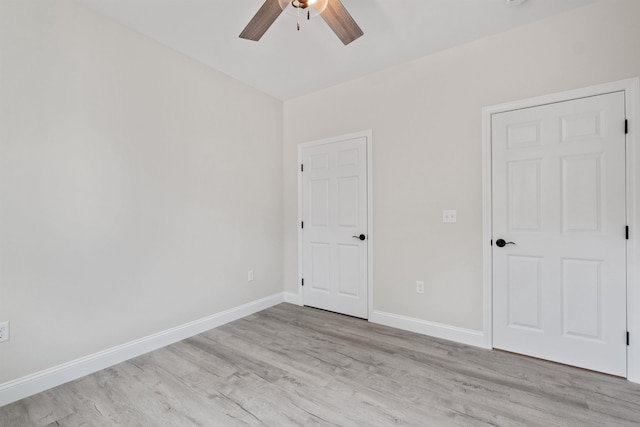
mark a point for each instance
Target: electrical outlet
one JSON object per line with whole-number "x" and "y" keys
{"x": 4, "y": 331}
{"x": 420, "y": 287}
{"x": 250, "y": 275}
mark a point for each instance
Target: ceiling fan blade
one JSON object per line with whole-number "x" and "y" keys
{"x": 341, "y": 22}
{"x": 262, "y": 20}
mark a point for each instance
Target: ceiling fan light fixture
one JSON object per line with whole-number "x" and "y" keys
{"x": 334, "y": 14}
{"x": 311, "y": 7}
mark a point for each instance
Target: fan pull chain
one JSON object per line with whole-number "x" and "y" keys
{"x": 300, "y": 5}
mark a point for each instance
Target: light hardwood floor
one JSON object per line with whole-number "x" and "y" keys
{"x": 289, "y": 366}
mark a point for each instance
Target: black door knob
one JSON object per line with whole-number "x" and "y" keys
{"x": 501, "y": 243}
{"x": 361, "y": 237}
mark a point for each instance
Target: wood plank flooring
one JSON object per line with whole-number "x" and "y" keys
{"x": 296, "y": 366}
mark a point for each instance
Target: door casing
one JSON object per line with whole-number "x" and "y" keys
{"x": 370, "y": 236}
{"x": 631, "y": 88}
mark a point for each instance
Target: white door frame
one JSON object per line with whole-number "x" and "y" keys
{"x": 368, "y": 135}
{"x": 631, "y": 88}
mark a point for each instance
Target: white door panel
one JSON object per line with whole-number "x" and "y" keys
{"x": 558, "y": 187}
{"x": 334, "y": 199}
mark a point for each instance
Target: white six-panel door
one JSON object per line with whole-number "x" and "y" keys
{"x": 334, "y": 200}
{"x": 558, "y": 186}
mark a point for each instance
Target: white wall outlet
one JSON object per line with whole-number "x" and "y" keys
{"x": 420, "y": 287}
{"x": 250, "y": 275}
{"x": 449, "y": 216}
{"x": 4, "y": 331}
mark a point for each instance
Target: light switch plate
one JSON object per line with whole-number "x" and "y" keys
{"x": 4, "y": 331}
{"x": 449, "y": 216}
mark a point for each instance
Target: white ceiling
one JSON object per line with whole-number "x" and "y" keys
{"x": 287, "y": 63}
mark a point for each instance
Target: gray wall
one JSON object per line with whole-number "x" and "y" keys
{"x": 134, "y": 192}
{"x": 426, "y": 122}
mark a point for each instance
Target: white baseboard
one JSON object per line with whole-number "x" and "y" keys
{"x": 35, "y": 383}
{"x": 292, "y": 298}
{"x": 433, "y": 329}
{"x": 40, "y": 381}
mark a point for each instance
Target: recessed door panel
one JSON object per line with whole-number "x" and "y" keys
{"x": 319, "y": 162}
{"x": 348, "y": 201}
{"x": 525, "y": 291}
{"x": 581, "y": 193}
{"x": 321, "y": 267}
{"x": 524, "y": 196}
{"x": 319, "y": 200}
{"x": 582, "y": 298}
{"x": 522, "y": 135}
{"x": 349, "y": 271}
{"x": 579, "y": 127}
{"x": 348, "y": 158}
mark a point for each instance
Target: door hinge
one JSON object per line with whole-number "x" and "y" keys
{"x": 626, "y": 126}
{"x": 302, "y": 224}
{"x": 627, "y": 232}
{"x": 301, "y": 167}
{"x": 303, "y": 281}
{"x": 627, "y": 337}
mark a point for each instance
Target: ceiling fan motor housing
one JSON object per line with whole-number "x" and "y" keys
{"x": 315, "y": 7}
{"x": 300, "y": 4}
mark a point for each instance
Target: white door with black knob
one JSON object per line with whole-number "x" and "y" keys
{"x": 334, "y": 228}
{"x": 559, "y": 219}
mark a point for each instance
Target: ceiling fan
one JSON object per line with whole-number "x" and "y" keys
{"x": 332, "y": 11}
